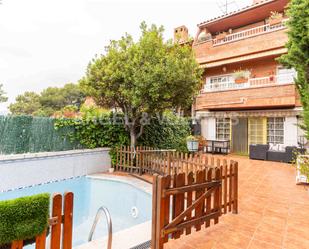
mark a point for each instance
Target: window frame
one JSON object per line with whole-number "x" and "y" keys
{"x": 277, "y": 130}
{"x": 226, "y": 128}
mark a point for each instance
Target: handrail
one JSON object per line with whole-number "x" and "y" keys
{"x": 252, "y": 82}
{"x": 249, "y": 33}
{"x": 109, "y": 224}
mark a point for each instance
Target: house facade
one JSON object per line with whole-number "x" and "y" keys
{"x": 247, "y": 96}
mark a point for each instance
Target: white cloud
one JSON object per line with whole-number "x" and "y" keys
{"x": 50, "y": 42}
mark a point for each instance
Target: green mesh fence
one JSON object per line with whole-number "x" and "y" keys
{"x": 26, "y": 134}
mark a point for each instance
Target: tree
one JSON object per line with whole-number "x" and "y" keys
{"x": 3, "y": 97}
{"x": 73, "y": 96}
{"x": 49, "y": 101}
{"x": 54, "y": 99}
{"x": 26, "y": 104}
{"x": 298, "y": 51}
{"x": 143, "y": 78}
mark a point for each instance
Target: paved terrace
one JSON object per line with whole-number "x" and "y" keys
{"x": 273, "y": 213}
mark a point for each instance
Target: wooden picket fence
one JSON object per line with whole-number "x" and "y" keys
{"x": 163, "y": 162}
{"x": 184, "y": 201}
{"x": 142, "y": 159}
{"x": 61, "y": 224}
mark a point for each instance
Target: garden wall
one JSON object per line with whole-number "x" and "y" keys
{"x": 23, "y": 134}
{"x": 23, "y": 170}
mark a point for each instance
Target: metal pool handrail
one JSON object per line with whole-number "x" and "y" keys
{"x": 109, "y": 224}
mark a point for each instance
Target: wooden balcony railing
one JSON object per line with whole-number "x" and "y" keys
{"x": 249, "y": 33}
{"x": 252, "y": 82}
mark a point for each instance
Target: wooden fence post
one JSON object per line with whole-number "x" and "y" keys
{"x": 235, "y": 188}
{"x": 169, "y": 161}
{"x": 55, "y": 236}
{"x": 208, "y": 199}
{"x": 154, "y": 210}
{"x": 163, "y": 207}
{"x": 217, "y": 195}
{"x": 67, "y": 221}
{"x": 17, "y": 244}
{"x": 40, "y": 241}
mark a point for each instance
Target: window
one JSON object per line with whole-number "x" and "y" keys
{"x": 220, "y": 82}
{"x": 285, "y": 75}
{"x": 275, "y": 130}
{"x": 223, "y": 129}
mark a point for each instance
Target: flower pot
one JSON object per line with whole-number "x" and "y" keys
{"x": 192, "y": 145}
{"x": 275, "y": 21}
{"x": 301, "y": 178}
{"x": 241, "y": 80}
{"x": 111, "y": 170}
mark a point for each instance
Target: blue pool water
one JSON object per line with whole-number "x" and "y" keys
{"x": 89, "y": 195}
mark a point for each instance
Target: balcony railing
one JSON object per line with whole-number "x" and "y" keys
{"x": 252, "y": 82}
{"x": 249, "y": 33}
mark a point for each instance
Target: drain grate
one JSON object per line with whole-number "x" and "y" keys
{"x": 145, "y": 245}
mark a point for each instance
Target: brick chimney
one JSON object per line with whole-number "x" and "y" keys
{"x": 181, "y": 34}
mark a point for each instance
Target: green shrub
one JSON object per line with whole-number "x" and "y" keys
{"x": 169, "y": 132}
{"x": 106, "y": 129}
{"x": 23, "y": 218}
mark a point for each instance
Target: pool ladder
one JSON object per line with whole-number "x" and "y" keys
{"x": 109, "y": 224}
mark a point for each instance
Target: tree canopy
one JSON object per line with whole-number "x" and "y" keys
{"x": 3, "y": 97}
{"x": 26, "y": 104}
{"x": 143, "y": 78}
{"x": 298, "y": 51}
{"x": 49, "y": 101}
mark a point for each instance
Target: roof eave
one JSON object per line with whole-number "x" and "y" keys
{"x": 216, "y": 19}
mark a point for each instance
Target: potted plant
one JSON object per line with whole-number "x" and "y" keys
{"x": 302, "y": 168}
{"x": 201, "y": 142}
{"x": 221, "y": 35}
{"x": 192, "y": 143}
{"x": 241, "y": 76}
{"x": 275, "y": 18}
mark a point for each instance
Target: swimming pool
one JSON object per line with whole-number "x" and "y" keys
{"x": 90, "y": 194}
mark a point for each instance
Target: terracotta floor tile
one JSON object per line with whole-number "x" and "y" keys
{"x": 296, "y": 243}
{"x": 298, "y": 232}
{"x": 257, "y": 244}
{"x": 269, "y": 237}
{"x": 235, "y": 239}
{"x": 273, "y": 212}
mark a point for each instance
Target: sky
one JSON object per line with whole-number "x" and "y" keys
{"x": 50, "y": 42}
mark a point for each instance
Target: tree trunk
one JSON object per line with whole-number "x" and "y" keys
{"x": 133, "y": 137}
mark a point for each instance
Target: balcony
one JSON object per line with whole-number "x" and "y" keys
{"x": 265, "y": 92}
{"x": 252, "y": 83}
{"x": 249, "y": 33}
{"x": 258, "y": 42}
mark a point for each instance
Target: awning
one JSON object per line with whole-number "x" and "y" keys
{"x": 278, "y": 51}
{"x": 251, "y": 113}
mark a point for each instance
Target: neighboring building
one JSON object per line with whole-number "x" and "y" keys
{"x": 248, "y": 97}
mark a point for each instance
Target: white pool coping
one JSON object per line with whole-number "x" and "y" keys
{"x": 129, "y": 237}
{"x": 36, "y": 155}
{"x": 124, "y": 239}
{"x": 135, "y": 182}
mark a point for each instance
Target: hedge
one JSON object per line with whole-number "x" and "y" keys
{"x": 23, "y": 218}
{"x": 27, "y": 134}
{"x": 107, "y": 130}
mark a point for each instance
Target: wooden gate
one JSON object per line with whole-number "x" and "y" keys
{"x": 184, "y": 201}
{"x": 61, "y": 223}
